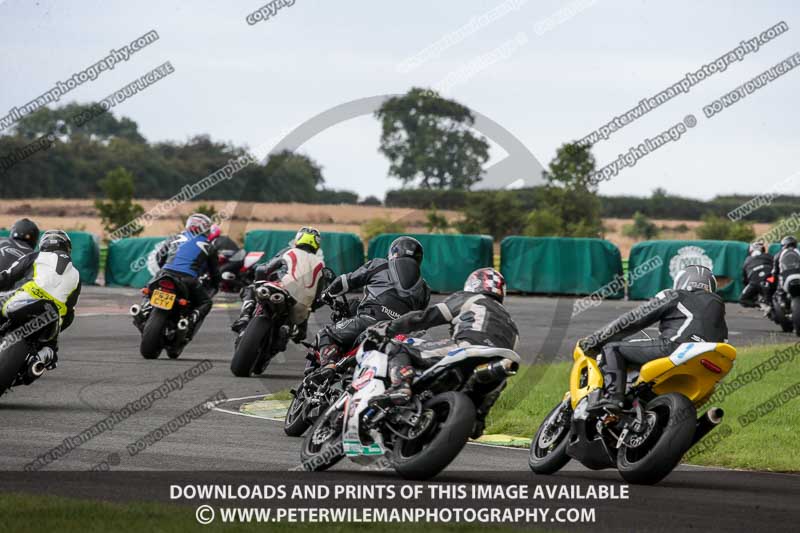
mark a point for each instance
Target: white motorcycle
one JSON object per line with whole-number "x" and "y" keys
{"x": 418, "y": 439}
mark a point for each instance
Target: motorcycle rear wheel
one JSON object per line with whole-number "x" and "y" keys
{"x": 663, "y": 447}
{"x": 780, "y": 317}
{"x": 548, "y": 453}
{"x": 431, "y": 452}
{"x": 153, "y": 334}
{"x": 796, "y": 314}
{"x": 11, "y": 361}
{"x": 250, "y": 346}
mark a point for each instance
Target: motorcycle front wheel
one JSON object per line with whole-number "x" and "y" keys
{"x": 647, "y": 458}
{"x": 796, "y": 314}
{"x": 428, "y": 454}
{"x": 548, "y": 452}
{"x": 322, "y": 445}
{"x": 250, "y": 346}
{"x": 296, "y": 423}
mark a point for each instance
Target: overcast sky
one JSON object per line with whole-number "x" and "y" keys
{"x": 252, "y": 84}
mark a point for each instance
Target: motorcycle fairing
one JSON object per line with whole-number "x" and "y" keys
{"x": 372, "y": 365}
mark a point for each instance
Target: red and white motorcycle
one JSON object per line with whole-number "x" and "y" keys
{"x": 418, "y": 439}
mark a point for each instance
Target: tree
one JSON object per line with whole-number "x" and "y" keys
{"x": 120, "y": 209}
{"x": 428, "y": 141}
{"x": 435, "y": 222}
{"x": 569, "y": 195}
{"x": 642, "y": 228}
{"x": 65, "y": 120}
{"x": 718, "y": 228}
{"x": 370, "y": 200}
{"x": 542, "y": 223}
{"x": 497, "y": 213}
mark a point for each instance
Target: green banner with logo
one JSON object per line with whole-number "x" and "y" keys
{"x": 448, "y": 259}
{"x": 126, "y": 263}
{"x": 561, "y": 265}
{"x": 343, "y": 252}
{"x": 724, "y": 258}
{"x": 85, "y": 254}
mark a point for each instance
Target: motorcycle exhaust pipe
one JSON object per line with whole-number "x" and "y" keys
{"x": 262, "y": 292}
{"x": 183, "y": 324}
{"x": 277, "y": 298}
{"x": 490, "y": 372}
{"x": 135, "y": 309}
{"x": 707, "y": 422}
{"x": 36, "y": 369}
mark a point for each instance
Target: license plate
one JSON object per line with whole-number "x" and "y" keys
{"x": 162, "y": 300}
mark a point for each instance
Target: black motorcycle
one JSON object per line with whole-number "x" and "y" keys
{"x": 322, "y": 386}
{"x": 164, "y": 320}
{"x": 25, "y": 342}
{"x": 786, "y": 306}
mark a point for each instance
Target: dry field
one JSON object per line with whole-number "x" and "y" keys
{"x": 80, "y": 214}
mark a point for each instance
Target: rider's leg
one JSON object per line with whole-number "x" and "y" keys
{"x": 202, "y": 304}
{"x": 246, "y": 312}
{"x": 749, "y": 295}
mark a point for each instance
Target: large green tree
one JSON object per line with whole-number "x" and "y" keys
{"x": 429, "y": 142}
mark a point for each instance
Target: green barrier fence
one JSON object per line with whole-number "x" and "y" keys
{"x": 344, "y": 252}
{"x": 85, "y": 254}
{"x": 448, "y": 260}
{"x": 560, "y": 265}
{"x": 126, "y": 262}
{"x": 724, "y": 258}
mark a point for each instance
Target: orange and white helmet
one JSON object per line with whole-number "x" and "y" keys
{"x": 486, "y": 281}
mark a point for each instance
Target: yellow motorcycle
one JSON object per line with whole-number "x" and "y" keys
{"x": 658, "y": 425}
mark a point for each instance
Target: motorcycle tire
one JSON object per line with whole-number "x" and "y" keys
{"x": 796, "y": 315}
{"x": 153, "y": 334}
{"x": 322, "y": 446}
{"x": 250, "y": 346}
{"x": 11, "y": 361}
{"x": 662, "y": 450}
{"x": 295, "y": 423}
{"x": 431, "y": 452}
{"x": 781, "y": 319}
{"x": 549, "y": 460}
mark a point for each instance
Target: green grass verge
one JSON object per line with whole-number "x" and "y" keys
{"x": 23, "y": 513}
{"x": 769, "y": 443}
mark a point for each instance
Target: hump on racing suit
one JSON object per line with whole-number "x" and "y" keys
{"x": 300, "y": 273}
{"x": 391, "y": 288}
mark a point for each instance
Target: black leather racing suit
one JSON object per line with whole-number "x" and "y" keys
{"x": 755, "y": 271}
{"x": 683, "y": 316}
{"x": 12, "y": 250}
{"x": 785, "y": 266}
{"x": 391, "y": 289}
{"x": 475, "y": 320}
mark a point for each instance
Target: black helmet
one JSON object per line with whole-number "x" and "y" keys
{"x": 758, "y": 248}
{"x": 25, "y": 230}
{"x": 55, "y": 240}
{"x": 789, "y": 242}
{"x": 695, "y": 277}
{"x": 406, "y": 247}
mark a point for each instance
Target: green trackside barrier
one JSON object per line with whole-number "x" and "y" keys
{"x": 724, "y": 258}
{"x": 344, "y": 252}
{"x": 126, "y": 262}
{"x": 560, "y": 265}
{"x": 448, "y": 259}
{"x": 85, "y": 254}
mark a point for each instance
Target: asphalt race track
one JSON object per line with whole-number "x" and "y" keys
{"x": 100, "y": 371}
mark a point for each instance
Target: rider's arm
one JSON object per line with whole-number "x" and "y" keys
{"x": 637, "y": 319}
{"x": 354, "y": 280}
{"x": 417, "y": 320}
{"x": 71, "y": 303}
{"x": 17, "y": 271}
{"x": 213, "y": 266}
{"x": 776, "y": 266}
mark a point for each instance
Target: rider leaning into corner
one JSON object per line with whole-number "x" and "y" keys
{"x": 786, "y": 265}
{"x": 755, "y": 275}
{"x": 188, "y": 256}
{"x": 689, "y": 312}
{"x": 476, "y": 316}
{"x": 41, "y": 276}
{"x": 392, "y": 287}
{"x": 299, "y": 270}
{"x": 20, "y": 242}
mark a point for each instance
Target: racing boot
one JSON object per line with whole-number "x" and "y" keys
{"x": 283, "y": 337}
{"x": 300, "y": 332}
{"x": 399, "y": 393}
{"x": 613, "y": 397}
{"x": 195, "y": 321}
{"x": 248, "y": 306}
